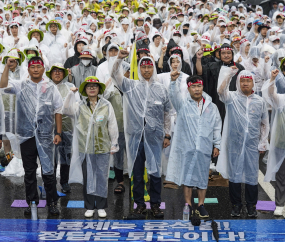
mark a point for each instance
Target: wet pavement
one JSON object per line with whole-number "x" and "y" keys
{"x": 12, "y": 188}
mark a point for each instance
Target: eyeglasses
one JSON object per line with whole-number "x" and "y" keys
{"x": 57, "y": 70}
{"x": 92, "y": 86}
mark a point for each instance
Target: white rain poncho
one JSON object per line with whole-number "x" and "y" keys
{"x": 276, "y": 154}
{"x": 276, "y": 59}
{"x": 36, "y": 105}
{"x": 194, "y": 137}
{"x": 146, "y": 114}
{"x": 95, "y": 135}
{"x": 261, "y": 70}
{"x": 245, "y": 130}
{"x": 125, "y": 36}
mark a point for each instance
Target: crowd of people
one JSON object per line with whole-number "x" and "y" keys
{"x": 159, "y": 87}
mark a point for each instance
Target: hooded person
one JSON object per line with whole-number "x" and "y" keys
{"x": 39, "y": 36}
{"x": 15, "y": 40}
{"x": 38, "y": 110}
{"x": 210, "y": 74}
{"x": 95, "y": 138}
{"x": 239, "y": 158}
{"x": 275, "y": 163}
{"x": 79, "y": 72}
{"x": 243, "y": 54}
{"x": 258, "y": 67}
{"x": 56, "y": 42}
{"x": 58, "y": 75}
{"x": 80, "y": 44}
{"x": 113, "y": 95}
{"x": 125, "y": 33}
{"x": 172, "y": 48}
{"x": 156, "y": 45}
{"x": 146, "y": 109}
{"x": 194, "y": 136}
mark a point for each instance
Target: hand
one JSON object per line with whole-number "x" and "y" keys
{"x": 239, "y": 60}
{"x": 123, "y": 43}
{"x": 65, "y": 45}
{"x": 266, "y": 40}
{"x": 211, "y": 27}
{"x": 199, "y": 54}
{"x": 188, "y": 46}
{"x": 261, "y": 41}
{"x": 16, "y": 40}
{"x": 10, "y": 62}
{"x": 123, "y": 54}
{"x": 266, "y": 58}
{"x": 222, "y": 36}
{"x": 174, "y": 75}
{"x": 69, "y": 71}
{"x": 74, "y": 89}
{"x": 274, "y": 73}
{"x": 166, "y": 143}
{"x": 216, "y": 152}
{"x": 57, "y": 139}
{"x": 163, "y": 50}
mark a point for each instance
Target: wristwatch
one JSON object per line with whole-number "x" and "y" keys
{"x": 167, "y": 137}
{"x": 59, "y": 134}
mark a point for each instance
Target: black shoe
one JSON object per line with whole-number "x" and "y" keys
{"x": 138, "y": 213}
{"x": 251, "y": 211}
{"x": 191, "y": 211}
{"x": 53, "y": 210}
{"x": 66, "y": 188}
{"x": 202, "y": 212}
{"x": 156, "y": 211}
{"x": 236, "y": 211}
{"x": 28, "y": 211}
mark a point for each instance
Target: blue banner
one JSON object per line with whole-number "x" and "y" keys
{"x": 148, "y": 230}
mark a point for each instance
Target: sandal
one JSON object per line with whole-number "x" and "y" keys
{"x": 120, "y": 188}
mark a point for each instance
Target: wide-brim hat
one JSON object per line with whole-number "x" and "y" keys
{"x": 12, "y": 54}
{"x": 59, "y": 66}
{"x": 36, "y": 30}
{"x": 91, "y": 79}
{"x": 53, "y": 22}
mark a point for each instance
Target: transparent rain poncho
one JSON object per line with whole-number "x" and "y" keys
{"x": 276, "y": 58}
{"x": 282, "y": 41}
{"x": 146, "y": 111}
{"x": 242, "y": 49}
{"x": 194, "y": 137}
{"x": 276, "y": 154}
{"x": 245, "y": 130}
{"x": 36, "y": 105}
{"x": 261, "y": 70}
{"x": 95, "y": 135}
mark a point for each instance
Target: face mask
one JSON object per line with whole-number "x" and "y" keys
{"x": 185, "y": 31}
{"x": 181, "y": 19}
{"x": 276, "y": 46}
{"x": 172, "y": 21}
{"x": 176, "y": 39}
{"x": 248, "y": 28}
{"x": 42, "y": 27}
{"x": 86, "y": 62}
{"x": 111, "y": 62}
{"x": 89, "y": 37}
{"x": 29, "y": 56}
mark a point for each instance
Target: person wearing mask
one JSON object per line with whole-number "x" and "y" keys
{"x": 95, "y": 139}
{"x": 195, "y": 136}
{"x": 147, "y": 129}
{"x": 244, "y": 137}
{"x": 78, "y": 73}
{"x": 210, "y": 74}
{"x": 273, "y": 10}
{"x": 39, "y": 109}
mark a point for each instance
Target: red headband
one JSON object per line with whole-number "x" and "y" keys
{"x": 207, "y": 49}
{"x": 85, "y": 53}
{"x": 146, "y": 63}
{"x": 243, "y": 76}
{"x": 176, "y": 48}
{"x": 36, "y": 62}
{"x": 189, "y": 84}
{"x": 243, "y": 40}
{"x": 226, "y": 48}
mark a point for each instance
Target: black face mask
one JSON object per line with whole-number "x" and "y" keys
{"x": 185, "y": 31}
{"x": 248, "y": 28}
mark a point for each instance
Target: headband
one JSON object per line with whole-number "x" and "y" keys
{"x": 243, "y": 40}
{"x": 36, "y": 62}
{"x": 141, "y": 49}
{"x": 226, "y": 48}
{"x": 189, "y": 84}
{"x": 85, "y": 53}
{"x": 244, "y": 76}
{"x": 146, "y": 63}
{"x": 92, "y": 80}
{"x": 207, "y": 49}
{"x": 206, "y": 37}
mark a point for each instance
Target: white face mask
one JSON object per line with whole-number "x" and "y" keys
{"x": 172, "y": 21}
{"x": 181, "y": 19}
{"x": 176, "y": 39}
{"x": 86, "y": 62}
{"x": 111, "y": 62}
{"x": 276, "y": 46}
{"x": 42, "y": 27}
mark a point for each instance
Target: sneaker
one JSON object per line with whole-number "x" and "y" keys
{"x": 236, "y": 211}
{"x": 156, "y": 211}
{"x": 191, "y": 211}
{"x": 202, "y": 212}
{"x": 65, "y": 188}
{"x": 53, "y": 210}
{"x": 102, "y": 213}
{"x": 251, "y": 211}
{"x": 278, "y": 211}
{"x": 28, "y": 211}
{"x": 89, "y": 213}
